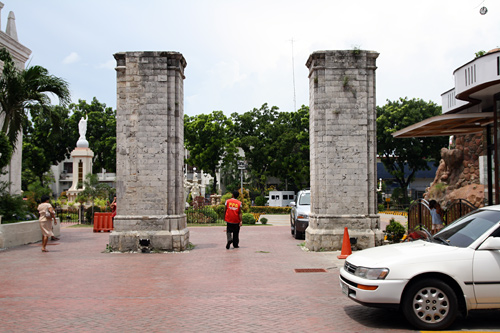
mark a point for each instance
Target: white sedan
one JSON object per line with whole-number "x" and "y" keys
{"x": 433, "y": 280}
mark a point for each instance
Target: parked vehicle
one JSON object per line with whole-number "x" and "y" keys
{"x": 299, "y": 214}
{"x": 434, "y": 280}
{"x": 281, "y": 198}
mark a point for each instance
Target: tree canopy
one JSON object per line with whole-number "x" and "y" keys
{"x": 208, "y": 140}
{"x": 51, "y": 133}
{"x": 276, "y": 144}
{"x": 410, "y": 153}
{"x": 101, "y": 132}
{"x": 20, "y": 90}
{"x": 45, "y": 141}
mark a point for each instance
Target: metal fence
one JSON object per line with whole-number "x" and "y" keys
{"x": 205, "y": 215}
{"x": 419, "y": 214}
{"x": 78, "y": 214}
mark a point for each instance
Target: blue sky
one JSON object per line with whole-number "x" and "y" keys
{"x": 239, "y": 53}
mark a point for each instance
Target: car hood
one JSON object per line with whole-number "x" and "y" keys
{"x": 416, "y": 252}
{"x": 305, "y": 209}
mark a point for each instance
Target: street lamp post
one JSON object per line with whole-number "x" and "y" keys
{"x": 241, "y": 167}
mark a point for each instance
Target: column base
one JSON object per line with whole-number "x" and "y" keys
{"x": 149, "y": 234}
{"x": 149, "y": 241}
{"x": 326, "y": 233}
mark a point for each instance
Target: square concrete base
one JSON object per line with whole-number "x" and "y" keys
{"x": 149, "y": 241}
{"x": 326, "y": 233}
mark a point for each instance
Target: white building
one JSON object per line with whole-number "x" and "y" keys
{"x": 20, "y": 54}
{"x": 63, "y": 175}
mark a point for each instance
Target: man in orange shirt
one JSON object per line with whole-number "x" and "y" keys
{"x": 233, "y": 216}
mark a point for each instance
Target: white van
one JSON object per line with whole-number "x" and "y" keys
{"x": 281, "y": 198}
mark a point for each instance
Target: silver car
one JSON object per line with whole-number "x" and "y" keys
{"x": 299, "y": 214}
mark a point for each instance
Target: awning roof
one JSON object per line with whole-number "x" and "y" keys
{"x": 447, "y": 124}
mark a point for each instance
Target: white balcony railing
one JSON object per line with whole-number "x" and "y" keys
{"x": 477, "y": 72}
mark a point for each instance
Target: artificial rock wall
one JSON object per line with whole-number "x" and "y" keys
{"x": 343, "y": 149}
{"x": 150, "y": 153}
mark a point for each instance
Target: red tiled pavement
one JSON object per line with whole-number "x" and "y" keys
{"x": 77, "y": 287}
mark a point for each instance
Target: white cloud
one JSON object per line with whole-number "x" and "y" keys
{"x": 111, "y": 64}
{"x": 239, "y": 53}
{"x": 71, "y": 59}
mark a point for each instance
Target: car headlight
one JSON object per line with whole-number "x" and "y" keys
{"x": 371, "y": 273}
{"x": 302, "y": 216}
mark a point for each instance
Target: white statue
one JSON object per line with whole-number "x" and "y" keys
{"x": 195, "y": 190}
{"x": 82, "y": 128}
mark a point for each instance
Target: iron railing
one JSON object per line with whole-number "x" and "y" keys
{"x": 419, "y": 214}
{"x": 204, "y": 215}
{"x": 457, "y": 209}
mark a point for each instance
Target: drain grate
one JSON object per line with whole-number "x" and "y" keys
{"x": 310, "y": 270}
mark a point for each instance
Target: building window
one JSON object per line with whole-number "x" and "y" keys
{"x": 80, "y": 174}
{"x": 68, "y": 167}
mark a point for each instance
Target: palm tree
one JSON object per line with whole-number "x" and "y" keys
{"x": 21, "y": 89}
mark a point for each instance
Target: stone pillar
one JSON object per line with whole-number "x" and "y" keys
{"x": 343, "y": 149}
{"x": 150, "y": 153}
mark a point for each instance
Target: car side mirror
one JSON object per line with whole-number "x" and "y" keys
{"x": 491, "y": 243}
{"x": 292, "y": 204}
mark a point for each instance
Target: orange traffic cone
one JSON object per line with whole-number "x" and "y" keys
{"x": 346, "y": 246}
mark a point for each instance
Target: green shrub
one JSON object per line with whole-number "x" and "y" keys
{"x": 260, "y": 201}
{"x": 225, "y": 197}
{"x": 263, "y": 220}
{"x": 12, "y": 207}
{"x": 395, "y": 231}
{"x": 381, "y": 207}
{"x": 210, "y": 214}
{"x": 89, "y": 218}
{"x": 270, "y": 210}
{"x": 219, "y": 209}
{"x": 248, "y": 218}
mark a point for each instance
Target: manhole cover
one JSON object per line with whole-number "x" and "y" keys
{"x": 310, "y": 270}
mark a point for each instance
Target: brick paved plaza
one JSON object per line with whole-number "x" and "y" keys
{"x": 76, "y": 287}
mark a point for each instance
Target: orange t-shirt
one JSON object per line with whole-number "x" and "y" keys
{"x": 233, "y": 208}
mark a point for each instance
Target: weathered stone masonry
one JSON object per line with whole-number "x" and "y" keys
{"x": 150, "y": 152}
{"x": 343, "y": 149}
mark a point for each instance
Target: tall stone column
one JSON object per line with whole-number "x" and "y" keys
{"x": 343, "y": 149}
{"x": 150, "y": 153}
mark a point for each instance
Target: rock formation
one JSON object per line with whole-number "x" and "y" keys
{"x": 457, "y": 176}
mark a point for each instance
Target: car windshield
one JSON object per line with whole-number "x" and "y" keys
{"x": 305, "y": 199}
{"x": 466, "y": 230}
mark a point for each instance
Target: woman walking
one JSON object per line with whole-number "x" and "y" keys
{"x": 47, "y": 214}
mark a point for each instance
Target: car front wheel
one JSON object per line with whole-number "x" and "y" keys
{"x": 430, "y": 304}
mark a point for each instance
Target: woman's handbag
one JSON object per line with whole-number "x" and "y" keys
{"x": 47, "y": 213}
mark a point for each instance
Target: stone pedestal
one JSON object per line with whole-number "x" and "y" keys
{"x": 82, "y": 165}
{"x": 343, "y": 149}
{"x": 150, "y": 153}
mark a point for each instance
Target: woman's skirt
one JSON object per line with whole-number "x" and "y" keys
{"x": 46, "y": 227}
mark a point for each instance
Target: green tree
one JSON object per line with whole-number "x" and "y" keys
{"x": 256, "y": 130}
{"x": 208, "y": 140}
{"x": 276, "y": 144}
{"x": 410, "y": 153}
{"x": 291, "y": 145}
{"x": 45, "y": 142}
{"x": 93, "y": 189}
{"x": 5, "y": 151}
{"x": 101, "y": 132}
{"x": 20, "y": 90}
